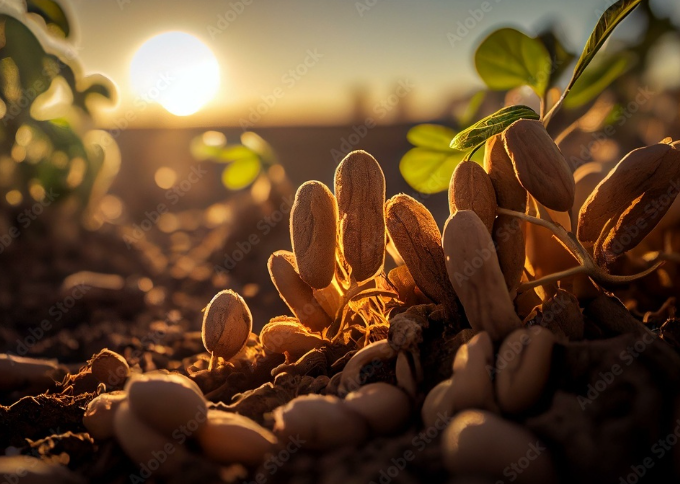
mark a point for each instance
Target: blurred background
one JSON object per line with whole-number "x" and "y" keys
{"x": 153, "y": 147}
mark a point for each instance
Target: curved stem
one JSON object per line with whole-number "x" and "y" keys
{"x": 587, "y": 264}
{"x": 567, "y": 131}
{"x": 552, "y": 278}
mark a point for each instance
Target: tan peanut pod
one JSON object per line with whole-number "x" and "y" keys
{"x": 98, "y": 417}
{"x": 510, "y": 193}
{"x": 418, "y": 240}
{"x": 472, "y": 370}
{"x": 295, "y": 292}
{"x": 373, "y": 355}
{"x": 644, "y": 170}
{"x": 510, "y": 247}
{"x": 18, "y": 371}
{"x": 640, "y": 218}
{"x": 166, "y": 401}
{"x": 287, "y": 335}
{"x": 228, "y": 438}
{"x": 539, "y": 164}
{"x": 586, "y": 177}
{"x": 523, "y": 368}
{"x": 227, "y": 323}
{"x": 438, "y": 404}
{"x": 479, "y": 443}
{"x": 473, "y": 269}
{"x": 109, "y": 368}
{"x": 322, "y": 422}
{"x": 313, "y": 233}
{"x": 385, "y": 407}
{"x": 360, "y": 191}
{"x": 471, "y": 189}
{"x": 141, "y": 443}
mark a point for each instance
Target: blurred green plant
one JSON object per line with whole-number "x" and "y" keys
{"x": 245, "y": 161}
{"x": 47, "y": 141}
{"x": 508, "y": 59}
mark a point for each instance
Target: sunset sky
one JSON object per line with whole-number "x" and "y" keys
{"x": 261, "y": 47}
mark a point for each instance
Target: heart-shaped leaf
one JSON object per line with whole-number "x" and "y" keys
{"x": 241, "y": 173}
{"x": 507, "y": 59}
{"x": 490, "y": 126}
{"x": 431, "y": 136}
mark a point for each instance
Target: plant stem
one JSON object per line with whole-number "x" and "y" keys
{"x": 567, "y": 131}
{"x": 552, "y": 278}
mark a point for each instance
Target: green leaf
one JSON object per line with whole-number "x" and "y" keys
{"x": 469, "y": 113}
{"x": 429, "y": 171}
{"x": 507, "y": 59}
{"x": 597, "y": 78}
{"x": 258, "y": 145}
{"x": 431, "y": 136}
{"x": 51, "y": 12}
{"x": 612, "y": 17}
{"x": 490, "y": 126}
{"x": 241, "y": 173}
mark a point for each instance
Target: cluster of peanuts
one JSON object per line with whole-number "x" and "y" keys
{"x": 486, "y": 276}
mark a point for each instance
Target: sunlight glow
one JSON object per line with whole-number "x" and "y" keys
{"x": 175, "y": 70}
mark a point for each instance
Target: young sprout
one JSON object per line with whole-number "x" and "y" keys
{"x": 227, "y": 323}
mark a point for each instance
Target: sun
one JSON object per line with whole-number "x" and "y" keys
{"x": 177, "y": 71}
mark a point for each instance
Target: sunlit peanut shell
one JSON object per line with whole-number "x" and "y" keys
{"x": 539, "y": 164}
{"x": 313, "y": 232}
{"x": 417, "y": 238}
{"x": 472, "y": 368}
{"x": 287, "y": 335}
{"x": 167, "y": 402}
{"x": 483, "y": 444}
{"x": 639, "y": 219}
{"x": 146, "y": 446}
{"x": 109, "y": 368}
{"x": 402, "y": 280}
{"x": 471, "y": 189}
{"x": 385, "y": 407}
{"x": 475, "y": 274}
{"x": 25, "y": 469}
{"x": 98, "y": 417}
{"x": 510, "y": 248}
{"x": 438, "y": 404}
{"x": 523, "y": 368}
{"x": 586, "y": 177}
{"x": 369, "y": 358}
{"x": 227, "y": 323}
{"x": 510, "y": 193}
{"x": 295, "y": 292}
{"x": 653, "y": 169}
{"x": 360, "y": 191}
{"x": 320, "y": 422}
{"x": 232, "y": 438}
